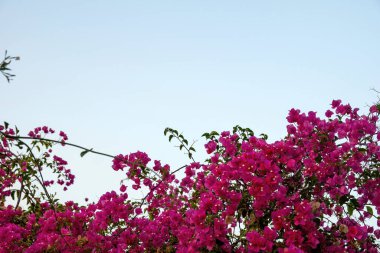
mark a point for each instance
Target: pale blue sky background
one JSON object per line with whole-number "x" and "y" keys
{"x": 114, "y": 74}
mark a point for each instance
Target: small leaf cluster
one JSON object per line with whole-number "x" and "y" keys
{"x": 183, "y": 142}
{"x": 4, "y": 66}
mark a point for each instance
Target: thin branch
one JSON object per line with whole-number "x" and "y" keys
{"x": 19, "y": 195}
{"x": 55, "y": 141}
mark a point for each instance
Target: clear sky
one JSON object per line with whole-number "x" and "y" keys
{"x": 114, "y": 74}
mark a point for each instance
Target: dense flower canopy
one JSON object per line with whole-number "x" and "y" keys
{"x": 316, "y": 190}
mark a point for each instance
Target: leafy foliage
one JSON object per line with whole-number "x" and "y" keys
{"x": 316, "y": 190}
{"x": 4, "y": 66}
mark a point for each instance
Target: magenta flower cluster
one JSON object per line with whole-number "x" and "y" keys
{"x": 316, "y": 190}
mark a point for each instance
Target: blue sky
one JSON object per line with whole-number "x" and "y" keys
{"x": 114, "y": 74}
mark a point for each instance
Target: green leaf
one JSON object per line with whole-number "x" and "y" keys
{"x": 185, "y": 141}
{"x": 6, "y": 124}
{"x": 317, "y": 221}
{"x": 343, "y": 199}
{"x": 318, "y": 159}
{"x": 206, "y": 135}
{"x": 354, "y": 203}
{"x": 170, "y": 137}
{"x": 83, "y": 153}
{"x": 251, "y": 133}
{"x": 369, "y": 209}
{"x": 214, "y": 133}
{"x": 13, "y": 195}
{"x": 166, "y": 131}
{"x": 264, "y": 136}
{"x": 350, "y": 209}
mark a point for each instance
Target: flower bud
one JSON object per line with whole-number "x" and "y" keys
{"x": 343, "y": 228}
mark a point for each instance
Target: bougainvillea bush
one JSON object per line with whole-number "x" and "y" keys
{"x": 316, "y": 190}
